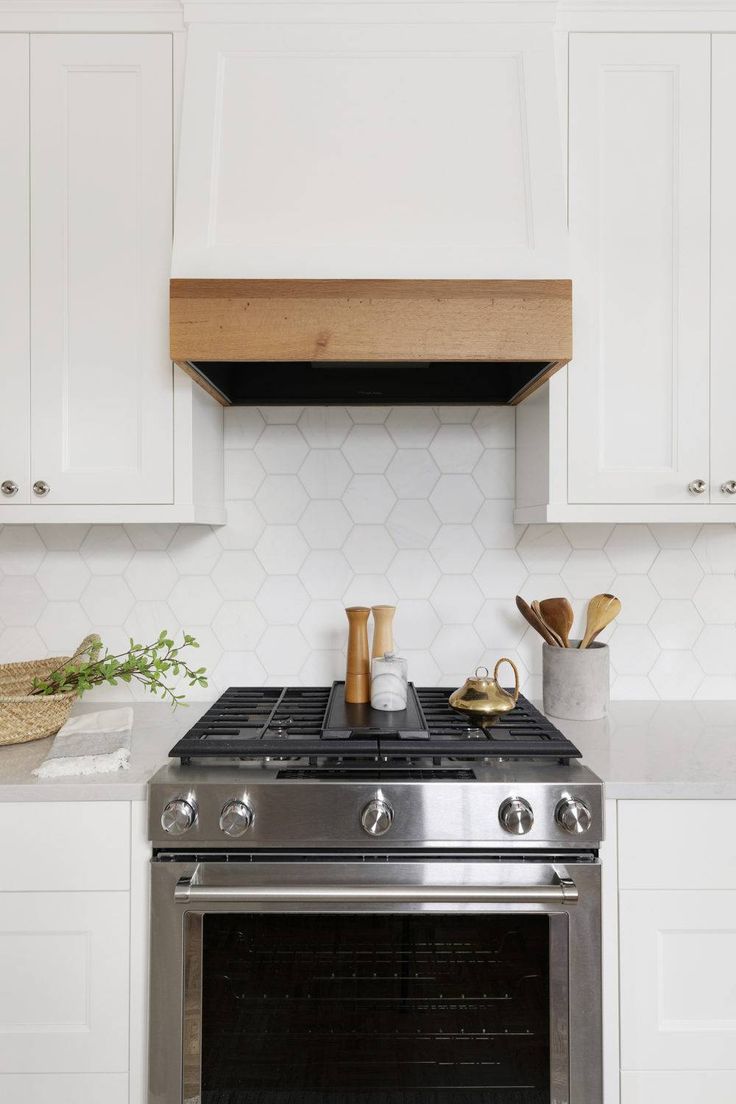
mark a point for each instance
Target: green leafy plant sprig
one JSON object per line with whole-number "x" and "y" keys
{"x": 148, "y": 664}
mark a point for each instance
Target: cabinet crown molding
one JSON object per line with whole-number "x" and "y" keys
{"x": 81, "y": 6}
{"x": 91, "y": 15}
{"x": 699, "y": 6}
{"x": 692, "y": 16}
{"x": 334, "y": 12}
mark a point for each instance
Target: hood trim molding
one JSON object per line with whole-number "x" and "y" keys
{"x": 241, "y": 321}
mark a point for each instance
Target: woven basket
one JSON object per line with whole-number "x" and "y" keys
{"x": 25, "y": 716}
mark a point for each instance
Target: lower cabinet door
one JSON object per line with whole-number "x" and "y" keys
{"x": 64, "y": 965}
{"x": 678, "y": 989}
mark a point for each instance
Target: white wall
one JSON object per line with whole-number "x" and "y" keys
{"x": 328, "y": 507}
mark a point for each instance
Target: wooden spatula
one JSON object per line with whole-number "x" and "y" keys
{"x": 558, "y": 615}
{"x": 602, "y": 609}
{"x": 536, "y": 622}
{"x": 536, "y": 608}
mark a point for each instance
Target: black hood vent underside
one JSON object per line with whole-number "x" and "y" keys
{"x": 378, "y": 383}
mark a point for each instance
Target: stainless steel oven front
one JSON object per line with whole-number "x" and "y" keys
{"x": 376, "y": 979}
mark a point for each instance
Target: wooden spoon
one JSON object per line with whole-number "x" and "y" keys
{"x": 558, "y": 615}
{"x": 528, "y": 613}
{"x": 538, "y": 610}
{"x": 602, "y": 609}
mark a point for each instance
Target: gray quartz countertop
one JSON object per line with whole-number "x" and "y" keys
{"x": 661, "y": 749}
{"x": 156, "y": 728}
{"x": 642, "y": 750}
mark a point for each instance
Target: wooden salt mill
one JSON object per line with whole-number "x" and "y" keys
{"x": 358, "y": 674}
{"x": 383, "y": 630}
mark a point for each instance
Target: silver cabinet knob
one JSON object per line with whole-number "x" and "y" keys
{"x": 41, "y": 488}
{"x": 236, "y": 818}
{"x": 377, "y": 817}
{"x": 697, "y": 486}
{"x": 9, "y": 488}
{"x": 729, "y": 487}
{"x": 573, "y": 815}
{"x": 516, "y": 816}
{"x": 178, "y": 816}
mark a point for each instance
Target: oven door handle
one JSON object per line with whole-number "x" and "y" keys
{"x": 562, "y": 891}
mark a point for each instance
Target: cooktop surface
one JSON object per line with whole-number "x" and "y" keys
{"x": 257, "y": 722}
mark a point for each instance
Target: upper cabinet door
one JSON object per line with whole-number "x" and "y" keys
{"x": 14, "y": 292}
{"x": 639, "y": 220}
{"x": 723, "y": 273}
{"x": 101, "y": 193}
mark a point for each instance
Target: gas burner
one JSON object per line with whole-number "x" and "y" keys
{"x": 279, "y": 727}
{"x": 316, "y": 724}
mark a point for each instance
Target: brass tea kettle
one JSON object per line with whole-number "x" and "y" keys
{"x": 481, "y": 699}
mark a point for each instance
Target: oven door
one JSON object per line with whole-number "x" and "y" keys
{"x": 471, "y": 981}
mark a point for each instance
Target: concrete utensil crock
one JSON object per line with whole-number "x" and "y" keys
{"x": 576, "y": 684}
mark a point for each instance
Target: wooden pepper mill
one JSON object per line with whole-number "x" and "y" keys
{"x": 383, "y": 630}
{"x": 358, "y": 674}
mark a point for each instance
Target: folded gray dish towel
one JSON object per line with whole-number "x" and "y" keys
{"x": 90, "y": 743}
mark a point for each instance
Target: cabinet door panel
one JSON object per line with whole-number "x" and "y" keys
{"x": 723, "y": 274}
{"x": 64, "y": 982}
{"x": 639, "y": 222}
{"x": 678, "y": 979}
{"x": 14, "y": 293}
{"x": 101, "y": 160}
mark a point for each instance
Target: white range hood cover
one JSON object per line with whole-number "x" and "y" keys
{"x": 370, "y": 140}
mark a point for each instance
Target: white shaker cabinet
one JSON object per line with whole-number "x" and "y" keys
{"x": 14, "y": 271}
{"x": 723, "y": 272}
{"x": 640, "y": 428}
{"x": 639, "y": 200}
{"x": 101, "y": 201}
{"x": 97, "y": 425}
{"x": 677, "y": 952}
{"x": 73, "y": 952}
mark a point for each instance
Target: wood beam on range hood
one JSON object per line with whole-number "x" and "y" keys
{"x": 470, "y": 321}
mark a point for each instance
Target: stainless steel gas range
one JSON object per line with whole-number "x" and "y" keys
{"x": 351, "y": 908}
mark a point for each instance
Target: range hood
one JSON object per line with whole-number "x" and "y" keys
{"x": 334, "y": 157}
{"x": 351, "y": 342}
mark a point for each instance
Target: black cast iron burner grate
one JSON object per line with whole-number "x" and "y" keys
{"x": 255, "y": 723}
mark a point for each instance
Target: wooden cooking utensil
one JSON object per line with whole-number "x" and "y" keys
{"x": 529, "y": 615}
{"x": 537, "y": 609}
{"x": 358, "y": 673}
{"x": 602, "y": 608}
{"x": 558, "y": 615}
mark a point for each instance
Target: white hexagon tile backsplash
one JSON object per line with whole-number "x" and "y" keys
{"x": 411, "y": 505}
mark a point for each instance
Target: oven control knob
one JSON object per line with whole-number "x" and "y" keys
{"x": 178, "y": 816}
{"x": 377, "y": 817}
{"x": 573, "y": 815}
{"x": 516, "y": 816}
{"x": 236, "y": 818}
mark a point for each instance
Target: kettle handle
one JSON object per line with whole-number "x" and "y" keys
{"x": 513, "y": 667}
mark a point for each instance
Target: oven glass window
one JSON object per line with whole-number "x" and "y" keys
{"x": 375, "y": 1009}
